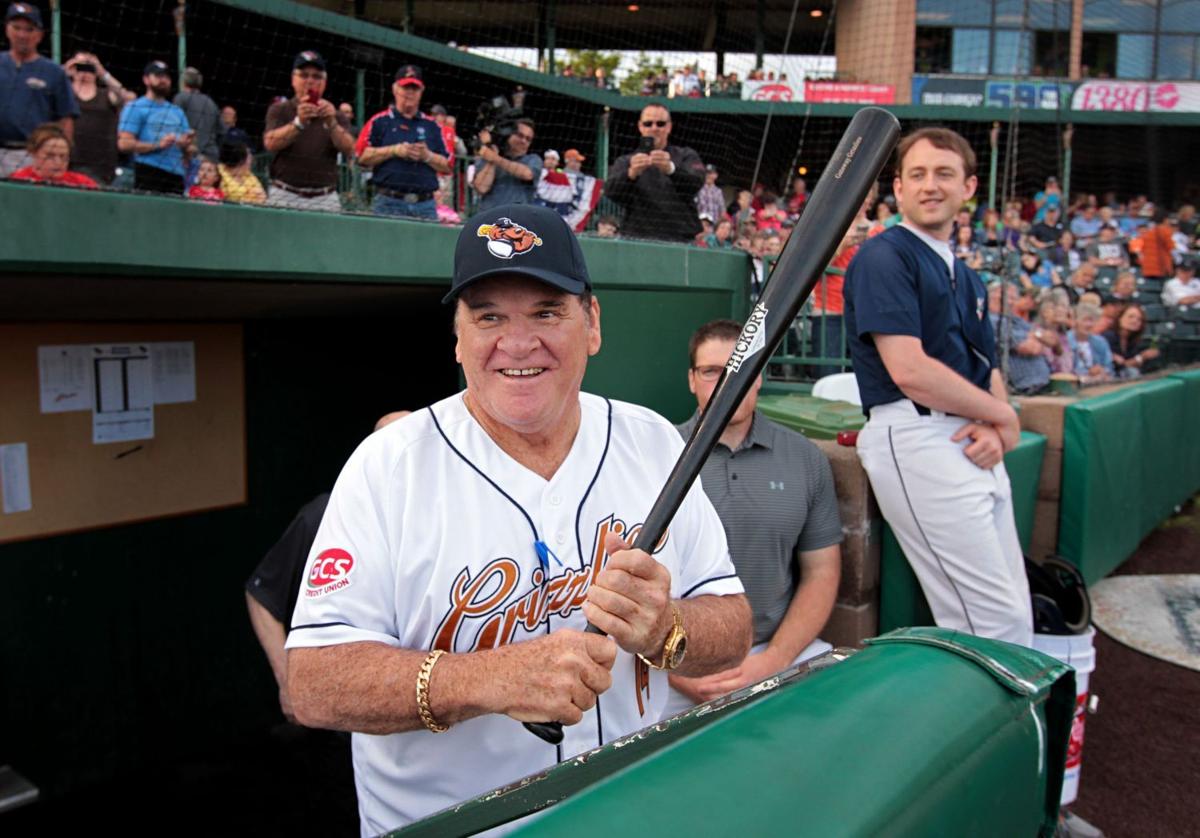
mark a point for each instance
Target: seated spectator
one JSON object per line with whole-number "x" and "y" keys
{"x": 991, "y": 232}
{"x": 1183, "y": 289}
{"x": 799, "y": 197}
{"x": 1013, "y": 228}
{"x": 1124, "y": 287}
{"x": 885, "y": 217}
{"x": 1066, "y": 257}
{"x": 1133, "y": 353}
{"x": 1110, "y": 312}
{"x": 1108, "y": 218}
{"x": 721, "y": 238}
{"x": 207, "y": 186}
{"x": 1053, "y": 327}
{"x": 742, "y": 209}
{"x": 1026, "y": 344}
{"x": 1082, "y": 281}
{"x": 1047, "y": 233}
{"x": 770, "y": 217}
{"x": 1106, "y": 251}
{"x": 237, "y": 181}
{"x": 100, "y": 98}
{"x": 607, "y": 227}
{"x": 1091, "y": 356}
{"x": 51, "y": 154}
{"x": 230, "y": 132}
{"x": 1037, "y": 272}
{"x": 706, "y": 228}
{"x": 1187, "y": 222}
{"x": 965, "y": 248}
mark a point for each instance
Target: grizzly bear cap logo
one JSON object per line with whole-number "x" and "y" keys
{"x": 506, "y": 238}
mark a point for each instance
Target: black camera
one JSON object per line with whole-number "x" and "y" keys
{"x": 497, "y": 118}
{"x": 84, "y": 67}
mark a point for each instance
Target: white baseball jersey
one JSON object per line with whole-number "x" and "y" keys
{"x": 428, "y": 542}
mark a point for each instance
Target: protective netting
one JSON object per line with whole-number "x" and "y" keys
{"x": 759, "y": 92}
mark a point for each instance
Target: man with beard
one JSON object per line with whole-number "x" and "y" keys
{"x": 157, "y": 133}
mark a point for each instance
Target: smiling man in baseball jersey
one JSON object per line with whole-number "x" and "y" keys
{"x": 466, "y": 546}
{"x": 939, "y": 422}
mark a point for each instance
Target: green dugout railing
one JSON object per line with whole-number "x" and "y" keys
{"x": 924, "y": 732}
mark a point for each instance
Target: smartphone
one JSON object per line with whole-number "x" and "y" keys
{"x": 84, "y": 67}
{"x": 313, "y": 97}
{"x": 646, "y": 145}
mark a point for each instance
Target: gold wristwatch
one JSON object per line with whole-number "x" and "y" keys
{"x": 674, "y": 647}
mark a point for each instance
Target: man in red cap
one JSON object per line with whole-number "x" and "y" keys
{"x": 405, "y": 150}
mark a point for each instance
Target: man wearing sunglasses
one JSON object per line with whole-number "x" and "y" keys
{"x": 507, "y": 177}
{"x": 657, "y": 184}
{"x": 774, "y": 492}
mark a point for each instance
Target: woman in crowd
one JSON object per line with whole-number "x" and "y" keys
{"x": 1013, "y": 227}
{"x": 237, "y": 181}
{"x": 743, "y": 210}
{"x": 100, "y": 98}
{"x": 965, "y": 247}
{"x": 1091, "y": 357}
{"x": 1037, "y": 272}
{"x": 722, "y": 237}
{"x": 1133, "y": 353}
{"x": 207, "y": 186}
{"x": 1065, "y": 256}
{"x": 1050, "y": 323}
{"x": 991, "y": 233}
{"x": 51, "y": 153}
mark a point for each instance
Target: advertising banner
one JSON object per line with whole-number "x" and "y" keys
{"x": 772, "y": 91}
{"x": 1140, "y": 97}
{"x": 839, "y": 92}
{"x": 995, "y": 93}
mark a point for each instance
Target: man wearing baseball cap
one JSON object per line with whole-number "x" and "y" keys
{"x": 306, "y": 133}
{"x": 157, "y": 133}
{"x": 406, "y": 151}
{"x": 465, "y": 548}
{"x": 33, "y": 90}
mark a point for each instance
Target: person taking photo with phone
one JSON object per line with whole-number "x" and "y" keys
{"x": 657, "y": 184}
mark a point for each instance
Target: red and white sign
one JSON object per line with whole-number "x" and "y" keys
{"x": 772, "y": 91}
{"x": 840, "y": 92}
{"x": 1139, "y": 97}
{"x": 330, "y": 572}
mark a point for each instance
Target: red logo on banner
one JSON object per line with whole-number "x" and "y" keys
{"x": 773, "y": 93}
{"x": 1166, "y": 96}
{"x": 331, "y": 566}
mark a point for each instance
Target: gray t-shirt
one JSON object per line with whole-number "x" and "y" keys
{"x": 507, "y": 189}
{"x": 775, "y": 497}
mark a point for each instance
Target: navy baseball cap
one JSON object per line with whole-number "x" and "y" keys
{"x": 156, "y": 68}
{"x": 410, "y": 76}
{"x": 309, "y": 58}
{"x": 519, "y": 239}
{"x": 25, "y": 10}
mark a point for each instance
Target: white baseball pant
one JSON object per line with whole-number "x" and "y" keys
{"x": 953, "y": 520}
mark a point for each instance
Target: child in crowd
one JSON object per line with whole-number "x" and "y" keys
{"x": 208, "y": 184}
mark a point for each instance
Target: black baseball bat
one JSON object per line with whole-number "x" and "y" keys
{"x": 851, "y": 172}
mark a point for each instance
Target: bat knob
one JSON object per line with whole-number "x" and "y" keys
{"x": 550, "y": 732}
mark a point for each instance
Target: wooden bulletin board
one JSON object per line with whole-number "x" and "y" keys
{"x": 195, "y": 461}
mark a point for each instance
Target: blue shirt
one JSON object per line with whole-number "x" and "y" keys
{"x": 507, "y": 189}
{"x": 149, "y": 120}
{"x": 389, "y": 127}
{"x": 1086, "y": 354}
{"x": 38, "y": 91}
{"x": 897, "y": 285}
{"x": 1026, "y": 373}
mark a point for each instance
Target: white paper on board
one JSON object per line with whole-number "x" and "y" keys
{"x": 14, "y": 478}
{"x": 65, "y": 378}
{"x": 174, "y": 366}
{"x": 123, "y": 406}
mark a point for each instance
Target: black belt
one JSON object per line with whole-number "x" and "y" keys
{"x": 315, "y": 192}
{"x": 406, "y": 197}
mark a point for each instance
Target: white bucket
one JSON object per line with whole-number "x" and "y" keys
{"x": 1078, "y": 651}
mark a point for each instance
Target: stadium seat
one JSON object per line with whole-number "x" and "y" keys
{"x": 1188, "y": 314}
{"x": 1105, "y": 275}
{"x": 841, "y": 386}
{"x": 1155, "y": 313}
{"x": 1150, "y": 286}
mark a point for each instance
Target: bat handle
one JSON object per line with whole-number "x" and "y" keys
{"x": 552, "y": 732}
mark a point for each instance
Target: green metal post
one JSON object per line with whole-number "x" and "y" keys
{"x": 1066, "y": 175}
{"x": 995, "y": 137}
{"x": 760, "y": 26}
{"x": 181, "y": 35}
{"x": 56, "y": 31}
{"x": 602, "y": 144}
{"x": 550, "y": 37}
{"x": 360, "y": 95}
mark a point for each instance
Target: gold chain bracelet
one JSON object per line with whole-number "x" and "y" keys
{"x": 423, "y": 710}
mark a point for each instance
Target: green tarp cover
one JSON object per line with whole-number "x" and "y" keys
{"x": 901, "y": 602}
{"x": 1124, "y": 470}
{"x": 925, "y": 732}
{"x": 814, "y": 417}
{"x": 1189, "y": 450}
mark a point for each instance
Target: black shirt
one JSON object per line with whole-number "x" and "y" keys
{"x": 276, "y": 581}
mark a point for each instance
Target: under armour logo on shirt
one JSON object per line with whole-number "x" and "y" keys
{"x": 776, "y": 486}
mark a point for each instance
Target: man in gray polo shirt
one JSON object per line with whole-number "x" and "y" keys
{"x": 774, "y": 492}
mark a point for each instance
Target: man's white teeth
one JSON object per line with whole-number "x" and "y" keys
{"x": 530, "y": 371}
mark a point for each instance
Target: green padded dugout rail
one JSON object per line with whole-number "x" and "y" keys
{"x": 814, "y": 417}
{"x": 1190, "y": 415}
{"x": 901, "y": 602}
{"x": 1122, "y": 471}
{"x": 925, "y": 732}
